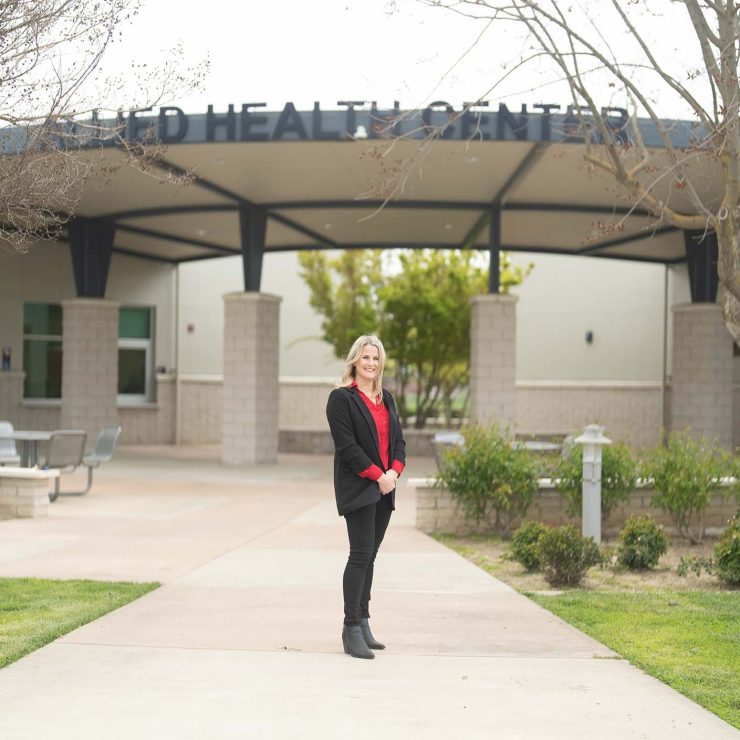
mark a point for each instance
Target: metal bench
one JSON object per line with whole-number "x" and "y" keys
{"x": 104, "y": 449}
{"x": 64, "y": 453}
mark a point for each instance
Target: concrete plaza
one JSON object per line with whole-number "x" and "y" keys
{"x": 243, "y": 638}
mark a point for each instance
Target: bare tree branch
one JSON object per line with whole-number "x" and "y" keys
{"x": 652, "y": 177}
{"x": 50, "y": 56}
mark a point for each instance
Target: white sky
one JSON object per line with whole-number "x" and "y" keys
{"x": 275, "y": 51}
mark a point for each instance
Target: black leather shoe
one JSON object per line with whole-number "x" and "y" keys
{"x": 354, "y": 642}
{"x": 370, "y": 641}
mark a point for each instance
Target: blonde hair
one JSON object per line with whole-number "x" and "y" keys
{"x": 354, "y": 355}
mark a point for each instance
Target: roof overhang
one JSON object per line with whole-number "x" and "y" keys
{"x": 339, "y": 180}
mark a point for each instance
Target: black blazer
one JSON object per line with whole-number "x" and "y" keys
{"x": 356, "y": 447}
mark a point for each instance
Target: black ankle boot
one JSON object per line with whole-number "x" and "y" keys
{"x": 369, "y": 639}
{"x": 354, "y": 642}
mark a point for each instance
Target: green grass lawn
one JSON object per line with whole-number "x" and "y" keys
{"x": 687, "y": 639}
{"x": 683, "y": 631}
{"x": 33, "y": 611}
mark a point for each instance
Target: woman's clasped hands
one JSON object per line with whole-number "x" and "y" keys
{"x": 387, "y": 482}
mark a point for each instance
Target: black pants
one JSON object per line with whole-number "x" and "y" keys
{"x": 366, "y": 529}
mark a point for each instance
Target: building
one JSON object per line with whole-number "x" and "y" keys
{"x": 124, "y": 321}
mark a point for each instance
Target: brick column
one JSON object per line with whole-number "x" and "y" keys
{"x": 251, "y": 388}
{"x": 493, "y": 360}
{"x": 89, "y": 365}
{"x": 702, "y": 372}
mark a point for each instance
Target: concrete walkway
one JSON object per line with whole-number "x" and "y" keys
{"x": 242, "y": 640}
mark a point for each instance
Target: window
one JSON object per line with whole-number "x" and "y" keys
{"x": 42, "y": 350}
{"x": 135, "y": 355}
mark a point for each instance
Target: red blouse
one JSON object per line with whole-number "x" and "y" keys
{"x": 382, "y": 423}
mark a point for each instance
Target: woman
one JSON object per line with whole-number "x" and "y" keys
{"x": 369, "y": 456}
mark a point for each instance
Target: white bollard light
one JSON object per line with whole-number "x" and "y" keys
{"x": 593, "y": 440}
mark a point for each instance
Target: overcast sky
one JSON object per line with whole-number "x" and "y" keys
{"x": 274, "y": 51}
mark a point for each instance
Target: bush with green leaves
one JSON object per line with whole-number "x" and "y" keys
{"x": 727, "y": 553}
{"x": 695, "y": 565}
{"x": 618, "y": 477}
{"x": 684, "y": 473}
{"x": 491, "y": 481}
{"x": 565, "y": 555}
{"x": 641, "y": 543}
{"x": 524, "y": 544}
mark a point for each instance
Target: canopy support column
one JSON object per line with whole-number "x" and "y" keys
{"x": 90, "y": 331}
{"x": 251, "y": 385}
{"x": 89, "y": 365}
{"x": 701, "y": 258}
{"x": 493, "y": 360}
{"x": 252, "y": 230}
{"x": 91, "y": 246}
{"x": 494, "y": 249}
{"x": 701, "y": 390}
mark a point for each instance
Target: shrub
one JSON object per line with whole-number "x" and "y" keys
{"x": 524, "y": 544}
{"x": 618, "y": 478}
{"x": 641, "y": 543}
{"x": 727, "y": 553}
{"x": 491, "y": 481}
{"x": 695, "y": 565}
{"x": 684, "y": 472}
{"x": 565, "y": 555}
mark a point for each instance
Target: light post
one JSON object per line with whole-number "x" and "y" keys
{"x": 592, "y": 440}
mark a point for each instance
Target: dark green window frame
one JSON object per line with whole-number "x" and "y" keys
{"x": 42, "y": 351}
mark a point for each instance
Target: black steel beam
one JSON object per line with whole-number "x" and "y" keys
{"x": 453, "y": 205}
{"x": 240, "y": 200}
{"x": 169, "y": 210}
{"x": 455, "y": 245}
{"x": 175, "y": 238}
{"x": 496, "y": 202}
{"x": 367, "y": 205}
{"x": 252, "y": 228}
{"x": 702, "y": 255}
{"x": 91, "y": 244}
{"x": 624, "y": 240}
{"x": 565, "y": 208}
{"x": 320, "y": 238}
{"x": 204, "y": 182}
{"x": 494, "y": 250}
{"x": 152, "y": 257}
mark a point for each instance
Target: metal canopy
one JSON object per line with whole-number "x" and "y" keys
{"x": 328, "y": 194}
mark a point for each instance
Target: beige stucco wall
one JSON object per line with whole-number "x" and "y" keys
{"x": 564, "y": 297}
{"x": 45, "y": 274}
{"x": 631, "y": 411}
{"x": 202, "y": 286}
{"x": 621, "y": 302}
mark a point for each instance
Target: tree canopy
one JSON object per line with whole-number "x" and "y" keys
{"x": 418, "y": 302}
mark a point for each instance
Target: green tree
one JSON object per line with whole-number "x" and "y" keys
{"x": 426, "y": 326}
{"x": 343, "y": 290}
{"x": 419, "y": 305}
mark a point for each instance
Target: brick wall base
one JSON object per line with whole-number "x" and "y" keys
{"x": 437, "y": 512}
{"x": 24, "y": 493}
